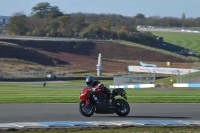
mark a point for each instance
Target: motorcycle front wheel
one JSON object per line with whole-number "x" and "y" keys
{"x": 86, "y": 110}
{"x": 122, "y": 107}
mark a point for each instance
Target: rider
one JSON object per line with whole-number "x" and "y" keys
{"x": 90, "y": 81}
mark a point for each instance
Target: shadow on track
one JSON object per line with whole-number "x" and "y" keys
{"x": 152, "y": 117}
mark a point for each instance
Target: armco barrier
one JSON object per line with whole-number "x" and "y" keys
{"x": 190, "y": 31}
{"x": 186, "y": 85}
{"x": 133, "y": 86}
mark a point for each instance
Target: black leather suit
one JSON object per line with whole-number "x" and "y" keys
{"x": 97, "y": 84}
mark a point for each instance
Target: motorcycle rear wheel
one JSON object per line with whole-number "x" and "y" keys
{"x": 122, "y": 107}
{"x": 86, "y": 110}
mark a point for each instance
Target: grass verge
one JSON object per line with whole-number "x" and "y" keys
{"x": 125, "y": 129}
{"x": 68, "y": 92}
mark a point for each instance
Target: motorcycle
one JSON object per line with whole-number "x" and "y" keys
{"x": 93, "y": 100}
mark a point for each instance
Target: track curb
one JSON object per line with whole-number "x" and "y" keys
{"x": 100, "y": 123}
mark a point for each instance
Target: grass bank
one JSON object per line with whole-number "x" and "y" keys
{"x": 187, "y": 40}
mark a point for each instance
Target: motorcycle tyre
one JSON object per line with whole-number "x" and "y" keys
{"x": 83, "y": 113}
{"x": 119, "y": 113}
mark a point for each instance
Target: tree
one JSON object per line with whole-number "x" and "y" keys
{"x": 42, "y": 10}
{"x": 140, "y": 16}
{"x": 37, "y": 27}
{"x": 189, "y": 22}
{"x": 55, "y": 12}
{"x": 92, "y": 31}
{"x": 105, "y": 24}
{"x": 52, "y": 29}
{"x": 64, "y": 27}
{"x": 183, "y": 17}
{"x": 153, "y": 20}
{"x": 78, "y": 24}
{"x": 140, "y": 19}
{"x": 123, "y": 28}
{"x": 18, "y": 24}
{"x": 197, "y": 22}
{"x": 122, "y": 35}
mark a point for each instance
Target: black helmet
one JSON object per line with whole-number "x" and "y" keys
{"x": 89, "y": 80}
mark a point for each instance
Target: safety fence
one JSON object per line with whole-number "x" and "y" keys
{"x": 35, "y": 74}
{"x": 135, "y": 78}
{"x": 189, "y": 78}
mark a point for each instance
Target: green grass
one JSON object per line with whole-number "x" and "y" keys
{"x": 66, "y": 93}
{"x": 187, "y": 40}
{"x": 129, "y": 129}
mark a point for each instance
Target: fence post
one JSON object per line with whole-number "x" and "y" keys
{"x": 154, "y": 77}
{"x": 178, "y": 78}
{"x": 45, "y": 73}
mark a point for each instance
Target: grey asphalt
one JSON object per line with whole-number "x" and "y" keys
{"x": 45, "y": 112}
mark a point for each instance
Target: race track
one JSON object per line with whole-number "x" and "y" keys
{"x": 69, "y": 112}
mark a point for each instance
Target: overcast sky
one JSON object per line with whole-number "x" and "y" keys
{"x": 163, "y": 8}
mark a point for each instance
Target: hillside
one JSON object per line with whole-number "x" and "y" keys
{"x": 82, "y": 55}
{"x": 181, "y": 40}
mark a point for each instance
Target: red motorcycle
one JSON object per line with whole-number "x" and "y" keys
{"x": 94, "y": 101}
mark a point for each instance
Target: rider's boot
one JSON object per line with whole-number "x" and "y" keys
{"x": 108, "y": 97}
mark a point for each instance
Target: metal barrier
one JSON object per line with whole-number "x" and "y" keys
{"x": 186, "y": 85}
{"x": 133, "y": 86}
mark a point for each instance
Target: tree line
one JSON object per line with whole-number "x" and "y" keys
{"x": 47, "y": 20}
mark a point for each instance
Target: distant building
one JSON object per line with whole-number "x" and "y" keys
{"x": 5, "y": 19}
{"x": 1, "y": 22}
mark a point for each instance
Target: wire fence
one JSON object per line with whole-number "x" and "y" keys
{"x": 35, "y": 74}
{"x": 165, "y": 81}
{"x": 135, "y": 78}
{"x": 189, "y": 78}
{"x": 150, "y": 78}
